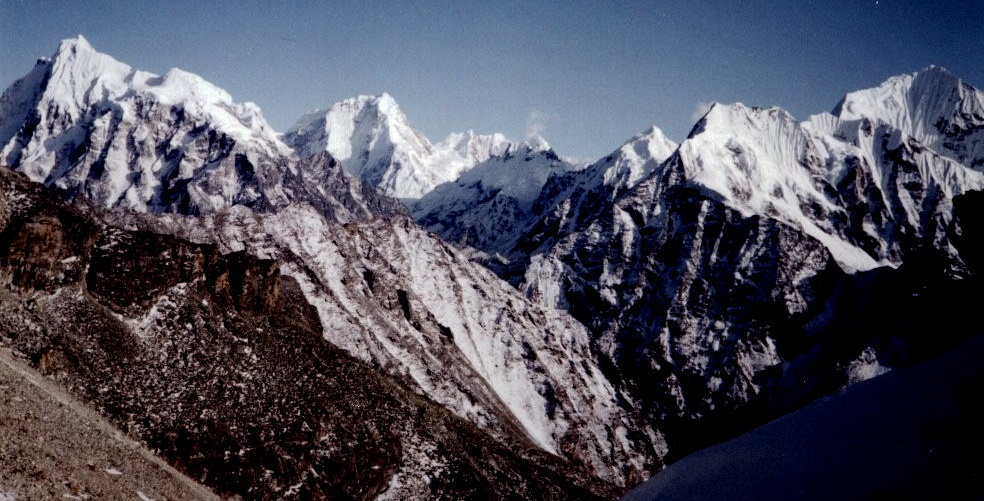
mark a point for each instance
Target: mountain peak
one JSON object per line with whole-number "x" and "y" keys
{"x": 927, "y": 105}
{"x": 650, "y": 134}
{"x": 387, "y": 104}
{"x": 727, "y": 118}
{"x": 74, "y": 94}
{"x": 382, "y": 106}
{"x": 896, "y": 92}
{"x": 936, "y": 69}
{"x": 535, "y": 143}
{"x": 373, "y": 139}
{"x": 75, "y": 45}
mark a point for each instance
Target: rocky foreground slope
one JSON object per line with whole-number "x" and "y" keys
{"x": 55, "y": 447}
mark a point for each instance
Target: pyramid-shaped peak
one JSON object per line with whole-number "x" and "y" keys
{"x": 381, "y": 106}
{"x": 936, "y": 78}
{"x": 385, "y": 100}
{"x": 914, "y": 102}
{"x": 653, "y": 132}
{"x": 77, "y": 52}
{"x": 75, "y": 45}
{"x": 650, "y": 143}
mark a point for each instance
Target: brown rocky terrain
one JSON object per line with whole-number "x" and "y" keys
{"x": 54, "y": 447}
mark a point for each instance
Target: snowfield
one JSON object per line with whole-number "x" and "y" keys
{"x": 913, "y": 433}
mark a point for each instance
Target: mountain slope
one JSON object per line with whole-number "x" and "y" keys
{"x": 933, "y": 106}
{"x": 61, "y": 449}
{"x": 487, "y": 207}
{"x": 568, "y": 202}
{"x": 218, "y": 363}
{"x": 393, "y": 296}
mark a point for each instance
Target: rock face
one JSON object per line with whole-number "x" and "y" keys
{"x": 217, "y": 362}
{"x": 391, "y": 295}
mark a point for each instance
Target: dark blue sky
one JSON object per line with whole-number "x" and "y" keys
{"x": 589, "y": 75}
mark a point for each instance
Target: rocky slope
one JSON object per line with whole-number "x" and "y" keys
{"x": 55, "y": 447}
{"x": 219, "y": 364}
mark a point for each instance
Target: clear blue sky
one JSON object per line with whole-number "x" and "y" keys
{"x": 588, "y": 74}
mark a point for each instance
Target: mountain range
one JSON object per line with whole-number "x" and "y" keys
{"x": 349, "y": 310}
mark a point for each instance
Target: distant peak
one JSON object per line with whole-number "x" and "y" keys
{"x": 382, "y": 105}
{"x": 742, "y": 110}
{"x": 932, "y": 91}
{"x": 74, "y": 45}
{"x": 535, "y": 143}
{"x": 387, "y": 104}
{"x": 737, "y": 116}
{"x": 176, "y": 72}
{"x": 938, "y": 74}
{"x": 653, "y": 132}
{"x": 935, "y": 69}
{"x": 385, "y": 97}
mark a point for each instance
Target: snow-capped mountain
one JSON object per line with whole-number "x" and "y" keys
{"x": 933, "y": 107}
{"x": 509, "y": 206}
{"x": 487, "y": 207}
{"x": 386, "y": 292}
{"x": 87, "y": 124}
{"x": 568, "y": 201}
{"x": 375, "y": 141}
{"x": 867, "y": 190}
{"x": 705, "y": 280}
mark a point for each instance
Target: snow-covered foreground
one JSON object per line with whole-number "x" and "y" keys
{"x": 911, "y": 434}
